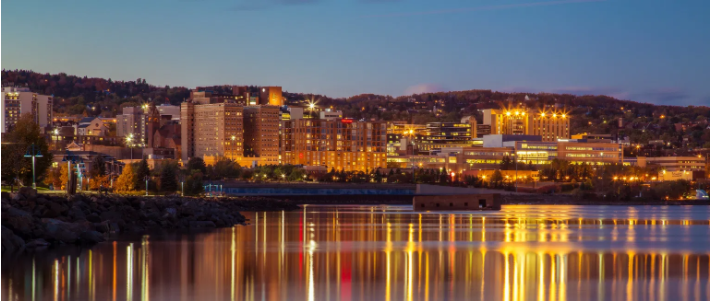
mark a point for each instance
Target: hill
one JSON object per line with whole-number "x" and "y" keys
{"x": 641, "y": 122}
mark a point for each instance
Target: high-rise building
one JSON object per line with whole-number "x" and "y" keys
{"x": 261, "y": 124}
{"x": 271, "y": 95}
{"x": 16, "y": 101}
{"x": 132, "y": 124}
{"x": 211, "y": 130}
{"x": 339, "y": 144}
{"x": 521, "y": 121}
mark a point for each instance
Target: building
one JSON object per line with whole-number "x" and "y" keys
{"x": 590, "y": 153}
{"x": 550, "y": 125}
{"x": 91, "y": 126}
{"x": 329, "y": 114}
{"x": 132, "y": 123}
{"x": 601, "y": 138}
{"x": 271, "y": 95}
{"x": 214, "y": 130}
{"x": 336, "y": 144}
{"x": 16, "y": 101}
{"x": 261, "y": 136}
{"x": 676, "y": 163}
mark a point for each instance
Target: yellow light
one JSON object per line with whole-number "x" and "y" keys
{"x": 516, "y": 113}
{"x": 508, "y": 113}
{"x": 411, "y": 131}
{"x": 563, "y": 115}
{"x": 543, "y": 114}
{"x": 554, "y": 115}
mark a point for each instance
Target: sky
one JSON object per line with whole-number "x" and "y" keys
{"x": 654, "y": 51}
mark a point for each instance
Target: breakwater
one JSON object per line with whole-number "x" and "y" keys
{"x": 33, "y": 221}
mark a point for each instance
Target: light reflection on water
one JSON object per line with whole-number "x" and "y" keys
{"x": 393, "y": 253}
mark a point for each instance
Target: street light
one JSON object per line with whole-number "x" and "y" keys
{"x": 33, "y": 152}
{"x": 146, "y": 177}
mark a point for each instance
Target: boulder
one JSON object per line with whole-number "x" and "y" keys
{"x": 91, "y": 237}
{"x": 56, "y": 230}
{"x": 201, "y": 224}
{"x": 25, "y": 193}
{"x": 76, "y": 213}
{"x": 37, "y": 244}
{"x": 19, "y": 221}
{"x": 94, "y": 218}
{"x": 11, "y": 243}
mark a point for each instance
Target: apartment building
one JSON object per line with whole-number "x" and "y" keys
{"x": 16, "y": 101}
{"x": 338, "y": 144}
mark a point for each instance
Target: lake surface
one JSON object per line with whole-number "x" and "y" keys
{"x": 393, "y": 253}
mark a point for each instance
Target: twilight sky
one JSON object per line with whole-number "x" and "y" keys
{"x": 655, "y": 51}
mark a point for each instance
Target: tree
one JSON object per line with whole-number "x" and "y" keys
{"x": 142, "y": 171}
{"x": 15, "y": 166}
{"x": 53, "y": 177}
{"x": 506, "y": 163}
{"x": 169, "y": 182}
{"x": 64, "y": 175}
{"x": 197, "y": 163}
{"x": 194, "y": 183}
{"x": 98, "y": 167}
{"x": 127, "y": 180}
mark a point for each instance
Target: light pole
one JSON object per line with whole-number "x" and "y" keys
{"x": 182, "y": 179}
{"x": 129, "y": 141}
{"x": 33, "y": 152}
{"x": 146, "y": 177}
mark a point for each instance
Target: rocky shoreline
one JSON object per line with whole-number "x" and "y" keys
{"x": 32, "y": 221}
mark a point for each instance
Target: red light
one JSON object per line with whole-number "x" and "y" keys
{"x": 452, "y": 174}
{"x": 301, "y": 155}
{"x": 347, "y": 120}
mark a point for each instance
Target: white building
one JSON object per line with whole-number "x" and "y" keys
{"x": 329, "y": 114}
{"x": 16, "y": 101}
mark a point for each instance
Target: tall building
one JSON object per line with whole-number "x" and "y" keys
{"x": 217, "y": 131}
{"x": 339, "y": 144}
{"x": 16, "y": 101}
{"x": 550, "y": 125}
{"x": 132, "y": 123}
{"x": 261, "y": 124}
{"x": 245, "y": 134}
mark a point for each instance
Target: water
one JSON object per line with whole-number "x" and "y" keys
{"x": 394, "y": 253}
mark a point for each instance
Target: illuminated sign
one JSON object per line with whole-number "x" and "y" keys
{"x": 347, "y": 120}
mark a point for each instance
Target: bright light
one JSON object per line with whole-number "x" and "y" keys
{"x": 411, "y": 131}
{"x": 516, "y": 113}
{"x": 508, "y": 113}
{"x": 554, "y": 115}
{"x": 543, "y": 114}
{"x": 563, "y": 115}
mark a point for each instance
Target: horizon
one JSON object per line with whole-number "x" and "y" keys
{"x": 654, "y": 52}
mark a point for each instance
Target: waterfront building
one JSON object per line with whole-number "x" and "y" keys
{"x": 339, "y": 144}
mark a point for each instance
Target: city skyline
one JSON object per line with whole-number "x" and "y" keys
{"x": 645, "y": 51}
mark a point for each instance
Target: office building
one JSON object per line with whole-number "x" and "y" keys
{"x": 339, "y": 144}
{"x": 329, "y": 114}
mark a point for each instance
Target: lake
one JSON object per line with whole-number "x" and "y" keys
{"x": 522, "y": 252}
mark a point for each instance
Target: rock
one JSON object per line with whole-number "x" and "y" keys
{"x": 37, "y": 244}
{"x": 53, "y": 210}
{"x": 201, "y": 224}
{"x": 11, "y": 243}
{"x": 94, "y": 218}
{"x": 91, "y": 237}
{"x": 76, "y": 213}
{"x": 170, "y": 212}
{"x": 110, "y": 215}
{"x": 56, "y": 230}
{"x": 102, "y": 227}
{"x": 19, "y": 221}
{"x": 27, "y": 193}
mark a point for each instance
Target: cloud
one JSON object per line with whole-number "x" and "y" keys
{"x": 252, "y": 5}
{"x": 481, "y": 8}
{"x": 424, "y": 88}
